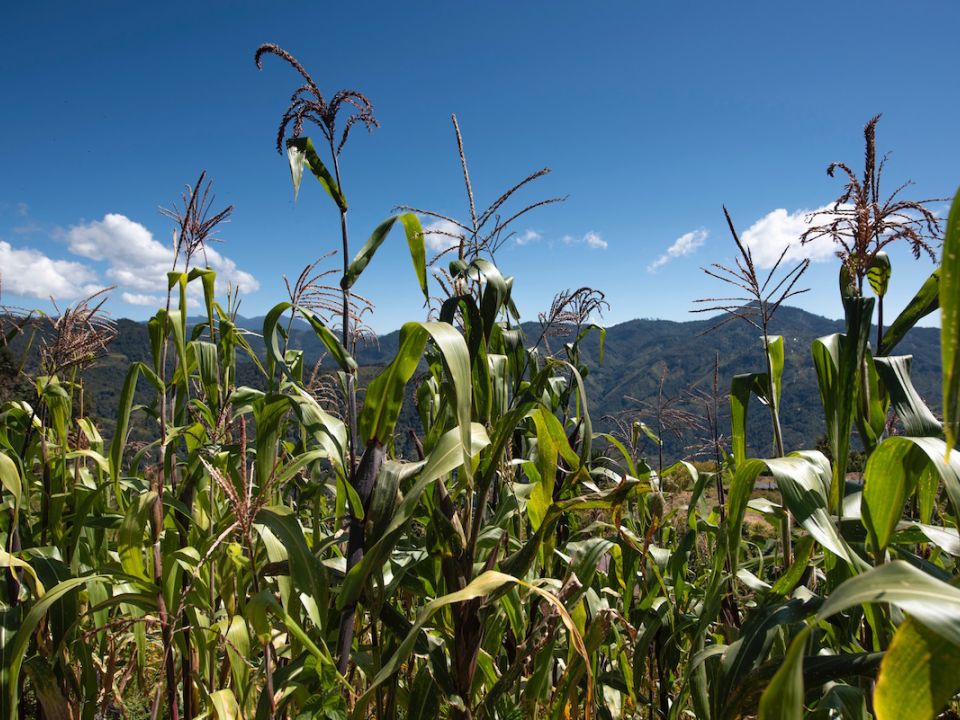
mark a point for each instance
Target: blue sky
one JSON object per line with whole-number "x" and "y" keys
{"x": 650, "y": 115}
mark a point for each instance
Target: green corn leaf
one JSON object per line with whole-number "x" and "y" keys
{"x": 271, "y": 338}
{"x": 415, "y": 241}
{"x": 933, "y": 602}
{"x": 206, "y": 356}
{"x": 923, "y": 303}
{"x": 783, "y": 698}
{"x": 950, "y": 324}
{"x": 130, "y": 543}
{"x": 803, "y": 480}
{"x": 878, "y": 274}
{"x": 741, "y": 386}
{"x": 586, "y": 426}
{"x": 837, "y": 359}
{"x": 746, "y": 654}
{"x": 495, "y": 291}
{"x": 10, "y": 479}
{"x": 482, "y": 586}
{"x": 306, "y": 572}
{"x": 445, "y": 457}
{"x": 119, "y": 440}
{"x": 208, "y": 279}
{"x": 384, "y": 398}
{"x": 300, "y": 153}
{"x": 913, "y": 412}
{"x": 238, "y": 650}
{"x": 224, "y": 704}
{"x": 13, "y": 659}
{"x": 269, "y": 416}
{"x": 873, "y": 402}
{"x": 891, "y": 477}
{"x": 551, "y": 444}
{"x": 918, "y": 674}
{"x": 774, "y": 351}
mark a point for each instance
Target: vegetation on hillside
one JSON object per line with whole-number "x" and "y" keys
{"x": 247, "y": 542}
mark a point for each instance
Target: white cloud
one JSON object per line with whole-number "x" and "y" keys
{"x": 30, "y": 273}
{"x": 142, "y": 299}
{"x": 137, "y": 262}
{"x": 441, "y": 235}
{"x": 527, "y": 237}
{"x": 591, "y": 239}
{"x": 769, "y": 235}
{"x": 683, "y": 245}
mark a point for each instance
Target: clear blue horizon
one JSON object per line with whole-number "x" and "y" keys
{"x": 650, "y": 116}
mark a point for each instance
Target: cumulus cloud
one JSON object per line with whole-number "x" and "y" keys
{"x": 591, "y": 239}
{"x": 441, "y": 235}
{"x": 686, "y": 244}
{"x": 137, "y": 263}
{"x": 142, "y": 299}
{"x": 30, "y": 273}
{"x": 776, "y": 230}
{"x": 527, "y": 237}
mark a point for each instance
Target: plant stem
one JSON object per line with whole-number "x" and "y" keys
{"x": 156, "y": 522}
{"x": 880, "y": 326}
{"x": 355, "y": 540}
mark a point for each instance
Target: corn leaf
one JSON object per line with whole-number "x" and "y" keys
{"x": 918, "y": 674}
{"x": 415, "y": 241}
{"x": 783, "y": 698}
{"x": 300, "y": 153}
{"x": 933, "y": 602}
{"x": 950, "y": 324}
{"x": 923, "y": 303}
{"x": 878, "y": 274}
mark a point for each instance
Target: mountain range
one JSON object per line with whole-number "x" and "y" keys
{"x": 623, "y": 387}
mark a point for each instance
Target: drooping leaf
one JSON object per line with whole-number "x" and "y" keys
{"x": 271, "y": 338}
{"x": 300, "y": 152}
{"x": 741, "y": 387}
{"x": 415, "y": 241}
{"x": 483, "y": 585}
{"x": 878, "y": 274}
{"x": 933, "y": 602}
{"x": 917, "y": 419}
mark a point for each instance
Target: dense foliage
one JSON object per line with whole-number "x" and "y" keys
{"x": 263, "y": 551}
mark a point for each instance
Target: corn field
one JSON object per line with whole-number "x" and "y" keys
{"x": 269, "y": 552}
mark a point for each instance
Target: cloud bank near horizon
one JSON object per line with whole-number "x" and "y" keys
{"x": 115, "y": 251}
